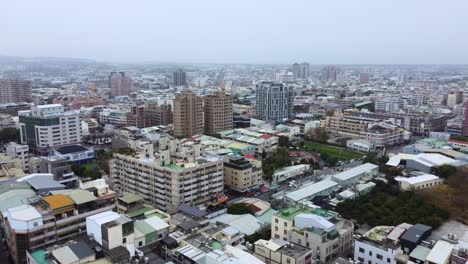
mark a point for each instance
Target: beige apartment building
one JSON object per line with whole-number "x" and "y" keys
{"x": 218, "y": 112}
{"x": 167, "y": 183}
{"x": 240, "y": 175}
{"x": 188, "y": 114}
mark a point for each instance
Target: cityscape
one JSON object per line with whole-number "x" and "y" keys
{"x": 225, "y": 152}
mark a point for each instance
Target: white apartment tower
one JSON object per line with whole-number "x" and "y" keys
{"x": 49, "y": 126}
{"x": 274, "y": 101}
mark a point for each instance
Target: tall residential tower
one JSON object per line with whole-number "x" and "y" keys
{"x": 218, "y": 113}
{"x": 274, "y": 101}
{"x": 188, "y": 114}
{"x": 120, "y": 84}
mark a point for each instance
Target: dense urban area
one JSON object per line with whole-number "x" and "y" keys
{"x": 232, "y": 163}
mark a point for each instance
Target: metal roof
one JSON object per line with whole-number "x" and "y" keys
{"x": 193, "y": 211}
{"x": 417, "y": 179}
{"x": 44, "y": 182}
{"x": 311, "y": 190}
{"x": 80, "y": 196}
{"x": 65, "y": 255}
{"x": 356, "y": 171}
{"x": 57, "y": 201}
{"x": 440, "y": 253}
{"x": 130, "y": 198}
{"x": 81, "y": 249}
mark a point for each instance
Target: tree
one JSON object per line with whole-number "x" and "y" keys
{"x": 371, "y": 157}
{"x": 445, "y": 170}
{"x": 318, "y": 134}
{"x": 278, "y": 159}
{"x": 264, "y": 232}
{"x": 238, "y": 209}
{"x": 9, "y": 134}
{"x": 283, "y": 141}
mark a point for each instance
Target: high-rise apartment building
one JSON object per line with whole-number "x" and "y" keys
{"x": 137, "y": 116}
{"x": 274, "y": 101}
{"x": 218, "y": 111}
{"x": 15, "y": 91}
{"x": 164, "y": 114}
{"x": 301, "y": 70}
{"x": 179, "y": 78}
{"x": 120, "y": 84}
{"x": 188, "y": 114}
{"x": 364, "y": 77}
{"x": 465, "y": 122}
{"x": 49, "y": 126}
{"x": 329, "y": 74}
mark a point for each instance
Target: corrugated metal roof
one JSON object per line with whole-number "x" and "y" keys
{"x": 80, "y": 196}
{"x": 311, "y": 190}
{"x": 57, "y": 201}
{"x": 144, "y": 227}
{"x": 65, "y": 255}
{"x": 353, "y": 172}
{"x": 130, "y": 198}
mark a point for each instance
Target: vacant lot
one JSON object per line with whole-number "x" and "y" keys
{"x": 332, "y": 151}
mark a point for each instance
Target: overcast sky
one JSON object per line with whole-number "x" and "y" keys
{"x": 239, "y": 31}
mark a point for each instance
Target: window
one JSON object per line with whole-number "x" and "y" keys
{"x": 379, "y": 257}
{"x": 140, "y": 243}
{"x": 362, "y": 250}
{"x": 389, "y": 260}
{"x": 285, "y": 223}
{"x": 124, "y": 240}
{"x": 285, "y": 232}
{"x": 35, "y": 224}
{"x": 370, "y": 253}
{"x": 361, "y": 260}
{"x": 276, "y": 228}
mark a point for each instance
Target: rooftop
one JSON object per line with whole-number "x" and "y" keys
{"x": 311, "y": 190}
{"x": 417, "y": 179}
{"x": 291, "y": 212}
{"x": 432, "y": 159}
{"x": 130, "y": 198}
{"x": 58, "y": 201}
{"x": 440, "y": 253}
{"x": 71, "y": 149}
{"x": 24, "y": 213}
{"x": 356, "y": 171}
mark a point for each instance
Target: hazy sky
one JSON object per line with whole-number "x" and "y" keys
{"x": 244, "y": 31}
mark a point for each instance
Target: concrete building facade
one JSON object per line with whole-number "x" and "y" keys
{"x": 188, "y": 114}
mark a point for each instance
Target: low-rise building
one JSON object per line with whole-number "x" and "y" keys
{"x": 352, "y": 176}
{"x": 285, "y": 173}
{"x": 308, "y": 192}
{"x": 418, "y": 182}
{"x": 21, "y": 151}
{"x": 359, "y": 145}
{"x": 50, "y": 220}
{"x": 324, "y": 232}
{"x": 379, "y": 245}
{"x": 241, "y": 175}
{"x": 282, "y": 252}
{"x": 427, "y": 162}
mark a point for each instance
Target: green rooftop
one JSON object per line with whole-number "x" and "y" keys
{"x": 174, "y": 166}
{"x": 39, "y": 256}
{"x": 216, "y": 245}
{"x": 130, "y": 198}
{"x": 138, "y": 212}
{"x": 291, "y": 212}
